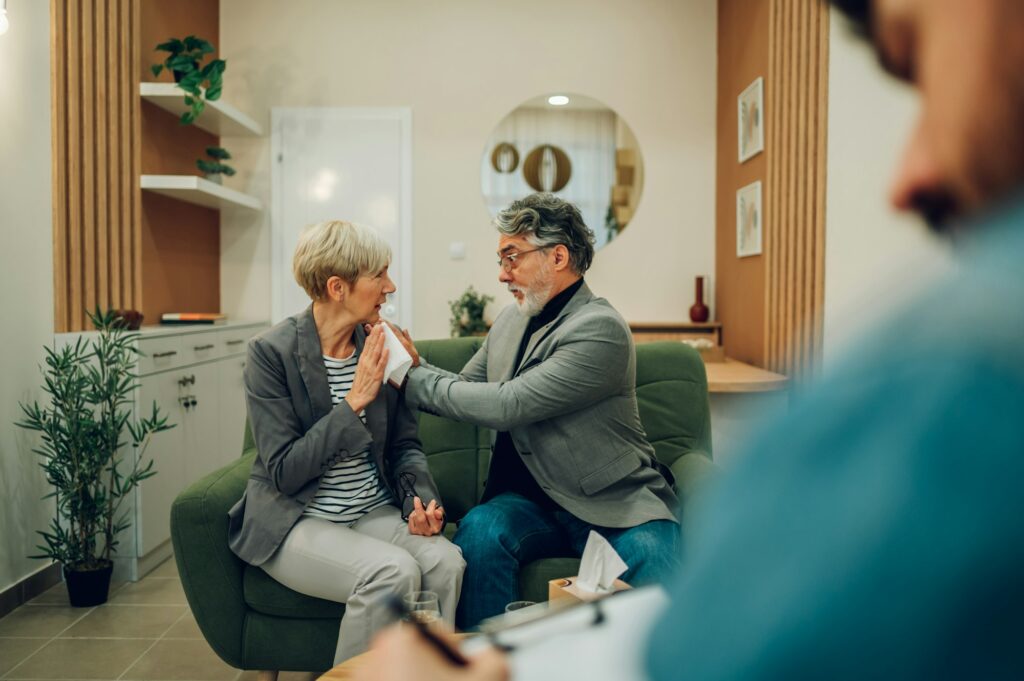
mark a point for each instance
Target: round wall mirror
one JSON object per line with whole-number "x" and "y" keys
{"x": 572, "y": 146}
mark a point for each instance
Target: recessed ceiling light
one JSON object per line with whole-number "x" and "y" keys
{"x": 558, "y": 100}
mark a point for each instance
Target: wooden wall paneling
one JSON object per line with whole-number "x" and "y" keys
{"x": 771, "y": 203}
{"x": 94, "y": 93}
{"x": 104, "y": 168}
{"x": 743, "y": 56}
{"x": 134, "y": 50}
{"x": 797, "y": 152}
{"x": 74, "y": 168}
{"x": 821, "y": 163}
{"x": 806, "y": 348}
{"x": 179, "y": 242}
{"x": 796, "y": 118}
{"x": 114, "y": 141}
{"x": 88, "y": 169}
{"x": 58, "y": 132}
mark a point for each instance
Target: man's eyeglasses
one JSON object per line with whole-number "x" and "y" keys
{"x": 407, "y": 485}
{"x": 507, "y": 262}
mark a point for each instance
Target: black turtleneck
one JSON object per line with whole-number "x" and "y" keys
{"x": 508, "y": 473}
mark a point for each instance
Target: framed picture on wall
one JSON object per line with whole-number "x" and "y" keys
{"x": 749, "y": 220}
{"x": 750, "y": 115}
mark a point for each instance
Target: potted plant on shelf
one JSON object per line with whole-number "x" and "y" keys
{"x": 468, "y": 313}
{"x": 90, "y": 384}
{"x": 201, "y": 82}
{"x": 213, "y": 170}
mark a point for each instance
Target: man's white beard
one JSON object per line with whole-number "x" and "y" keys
{"x": 535, "y": 297}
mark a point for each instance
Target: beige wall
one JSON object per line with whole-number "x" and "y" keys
{"x": 874, "y": 258}
{"x": 462, "y": 65}
{"x": 26, "y": 261}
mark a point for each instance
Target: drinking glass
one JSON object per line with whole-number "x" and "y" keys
{"x": 422, "y": 606}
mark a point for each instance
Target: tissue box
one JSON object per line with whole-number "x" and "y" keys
{"x": 559, "y": 589}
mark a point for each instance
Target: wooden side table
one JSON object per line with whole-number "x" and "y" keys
{"x": 646, "y": 332}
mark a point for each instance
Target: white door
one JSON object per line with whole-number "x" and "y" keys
{"x": 351, "y": 164}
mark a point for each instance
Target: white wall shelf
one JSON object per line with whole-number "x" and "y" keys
{"x": 194, "y": 189}
{"x": 218, "y": 117}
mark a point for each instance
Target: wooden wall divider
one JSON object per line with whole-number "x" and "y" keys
{"x": 95, "y": 136}
{"x": 797, "y": 116}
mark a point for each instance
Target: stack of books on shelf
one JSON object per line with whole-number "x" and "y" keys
{"x": 193, "y": 318}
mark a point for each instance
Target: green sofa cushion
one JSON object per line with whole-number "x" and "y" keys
{"x": 458, "y": 453}
{"x": 266, "y": 595}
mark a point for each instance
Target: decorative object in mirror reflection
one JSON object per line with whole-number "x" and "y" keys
{"x": 505, "y": 158}
{"x": 750, "y": 114}
{"x": 580, "y": 150}
{"x": 748, "y": 220}
{"x": 547, "y": 169}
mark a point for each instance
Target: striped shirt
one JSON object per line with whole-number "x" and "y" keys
{"x": 350, "y": 488}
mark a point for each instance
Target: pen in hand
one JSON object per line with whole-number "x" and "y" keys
{"x": 403, "y": 613}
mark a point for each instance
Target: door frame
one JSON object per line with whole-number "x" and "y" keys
{"x": 403, "y": 115}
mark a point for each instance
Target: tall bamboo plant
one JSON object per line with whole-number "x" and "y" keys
{"x": 84, "y": 444}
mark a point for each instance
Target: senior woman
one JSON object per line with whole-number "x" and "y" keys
{"x": 340, "y": 504}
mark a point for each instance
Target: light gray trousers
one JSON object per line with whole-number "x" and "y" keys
{"x": 364, "y": 565}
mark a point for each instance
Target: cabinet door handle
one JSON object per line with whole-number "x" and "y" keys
{"x": 208, "y": 346}
{"x": 169, "y": 353}
{"x": 235, "y": 342}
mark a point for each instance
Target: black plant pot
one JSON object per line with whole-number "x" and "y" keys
{"x": 88, "y": 587}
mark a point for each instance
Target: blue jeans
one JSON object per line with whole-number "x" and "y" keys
{"x": 509, "y": 531}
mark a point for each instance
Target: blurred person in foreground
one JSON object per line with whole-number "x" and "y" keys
{"x": 878, "y": 532}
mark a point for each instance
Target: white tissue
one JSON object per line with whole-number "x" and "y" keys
{"x": 399, "y": 361}
{"x": 600, "y": 565}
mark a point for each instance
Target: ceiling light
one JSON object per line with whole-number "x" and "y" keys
{"x": 558, "y": 100}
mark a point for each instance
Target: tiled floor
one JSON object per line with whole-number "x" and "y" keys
{"x": 145, "y": 632}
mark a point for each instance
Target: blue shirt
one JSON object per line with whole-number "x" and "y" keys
{"x": 877, "y": 530}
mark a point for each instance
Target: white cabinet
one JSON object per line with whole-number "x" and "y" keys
{"x": 232, "y": 409}
{"x": 156, "y": 494}
{"x": 194, "y": 374}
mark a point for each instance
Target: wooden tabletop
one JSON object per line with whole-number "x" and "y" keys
{"x": 347, "y": 669}
{"x": 733, "y": 376}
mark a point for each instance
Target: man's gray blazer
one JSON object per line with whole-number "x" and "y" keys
{"x": 299, "y": 435}
{"x": 570, "y": 408}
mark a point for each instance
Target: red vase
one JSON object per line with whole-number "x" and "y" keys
{"x": 699, "y": 311}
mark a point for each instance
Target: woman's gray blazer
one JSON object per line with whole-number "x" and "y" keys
{"x": 299, "y": 435}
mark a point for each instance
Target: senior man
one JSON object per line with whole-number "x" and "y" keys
{"x": 556, "y": 380}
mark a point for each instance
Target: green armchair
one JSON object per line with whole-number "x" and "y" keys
{"x": 252, "y": 622}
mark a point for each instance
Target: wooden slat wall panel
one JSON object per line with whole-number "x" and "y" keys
{"x": 59, "y": 141}
{"x": 795, "y": 185}
{"x": 96, "y": 140}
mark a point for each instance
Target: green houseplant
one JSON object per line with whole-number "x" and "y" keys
{"x": 215, "y": 168}
{"x": 201, "y": 82}
{"x": 468, "y": 313}
{"x": 86, "y": 428}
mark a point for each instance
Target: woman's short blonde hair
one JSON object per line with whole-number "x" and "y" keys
{"x": 336, "y": 248}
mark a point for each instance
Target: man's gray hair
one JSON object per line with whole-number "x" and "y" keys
{"x": 546, "y": 220}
